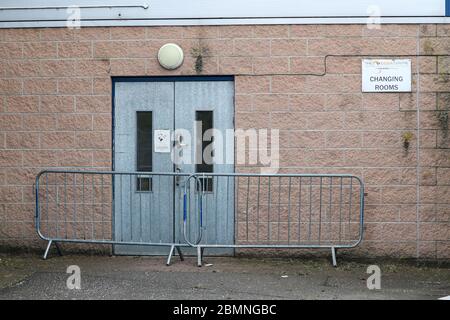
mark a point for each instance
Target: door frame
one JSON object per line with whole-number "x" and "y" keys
{"x": 115, "y": 80}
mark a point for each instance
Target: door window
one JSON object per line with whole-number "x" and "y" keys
{"x": 144, "y": 149}
{"x": 205, "y": 119}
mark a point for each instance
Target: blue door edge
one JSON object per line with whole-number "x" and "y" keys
{"x": 175, "y": 78}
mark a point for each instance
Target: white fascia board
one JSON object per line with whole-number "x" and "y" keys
{"x": 215, "y": 22}
{"x": 51, "y": 13}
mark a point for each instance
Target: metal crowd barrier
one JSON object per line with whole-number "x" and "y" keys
{"x": 107, "y": 207}
{"x": 212, "y": 211}
{"x": 278, "y": 211}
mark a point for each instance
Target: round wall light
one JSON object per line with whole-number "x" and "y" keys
{"x": 170, "y": 56}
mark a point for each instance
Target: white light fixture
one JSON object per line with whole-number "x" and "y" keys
{"x": 170, "y": 56}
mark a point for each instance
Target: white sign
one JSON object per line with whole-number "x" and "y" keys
{"x": 386, "y": 75}
{"x": 162, "y": 141}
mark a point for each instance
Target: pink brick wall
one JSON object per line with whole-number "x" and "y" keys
{"x": 55, "y": 111}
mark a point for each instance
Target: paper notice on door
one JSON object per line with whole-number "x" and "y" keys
{"x": 162, "y": 141}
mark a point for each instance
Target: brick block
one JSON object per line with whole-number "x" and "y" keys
{"x": 236, "y": 31}
{"x": 288, "y": 47}
{"x": 362, "y": 46}
{"x": 92, "y": 33}
{"x": 343, "y": 139}
{"x": 171, "y": 32}
{"x": 392, "y": 30}
{"x": 10, "y": 158}
{"x": 39, "y": 50}
{"x": 307, "y": 65}
{"x": 128, "y": 33}
{"x": 22, "y": 140}
{"x": 76, "y": 49}
{"x": 51, "y": 34}
{"x": 93, "y": 104}
{"x": 271, "y": 31}
{"x": 102, "y": 86}
{"x": 28, "y": 104}
{"x": 11, "y": 86}
{"x": 11, "y": 122}
{"x": 124, "y": 67}
{"x": 271, "y": 65}
{"x": 378, "y": 101}
{"x": 21, "y": 68}
{"x": 39, "y": 122}
{"x": 313, "y": 31}
{"x": 23, "y": 35}
{"x": 10, "y": 194}
{"x": 56, "y": 68}
{"x": 80, "y": 86}
{"x": 246, "y": 84}
{"x": 76, "y": 122}
{"x": 270, "y": 102}
{"x": 57, "y": 140}
{"x": 98, "y": 67}
{"x": 434, "y": 231}
{"x": 57, "y": 104}
{"x": 307, "y": 102}
{"x": 344, "y": 102}
{"x": 11, "y": 50}
{"x": 40, "y": 86}
{"x": 93, "y": 140}
{"x": 252, "y": 47}
{"x": 236, "y": 65}
{"x": 74, "y": 158}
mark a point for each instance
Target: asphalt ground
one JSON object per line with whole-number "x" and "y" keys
{"x": 119, "y": 277}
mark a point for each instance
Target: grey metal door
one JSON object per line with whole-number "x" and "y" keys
{"x": 152, "y": 211}
{"x": 203, "y": 106}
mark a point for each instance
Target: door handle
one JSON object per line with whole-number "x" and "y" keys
{"x": 179, "y": 142}
{"x": 177, "y": 177}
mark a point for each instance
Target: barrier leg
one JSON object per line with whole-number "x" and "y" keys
{"x": 199, "y": 256}
{"x": 47, "y": 249}
{"x": 58, "y": 249}
{"x": 180, "y": 253}
{"x": 333, "y": 256}
{"x": 172, "y": 248}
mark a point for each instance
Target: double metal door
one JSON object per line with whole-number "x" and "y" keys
{"x": 165, "y": 125}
